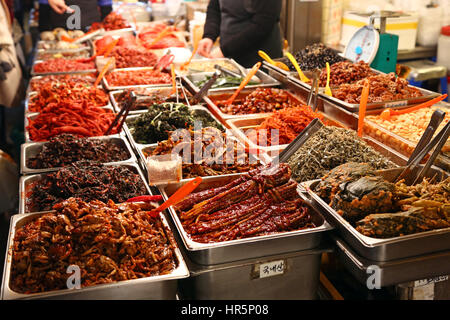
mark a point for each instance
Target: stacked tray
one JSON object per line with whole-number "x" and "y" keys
{"x": 248, "y": 248}
{"x": 34, "y": 73}
{"x": 162, "y": 287}
{"x": 381, "y": 249}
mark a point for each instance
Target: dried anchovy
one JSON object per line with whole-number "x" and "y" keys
{"x": 87, "y": 180}
{"x": 64, "y": 149}
{"x": 329, "y": 148}
{"x": 109, "y": 242}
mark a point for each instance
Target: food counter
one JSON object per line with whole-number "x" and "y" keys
{"x": 246, "y": 216}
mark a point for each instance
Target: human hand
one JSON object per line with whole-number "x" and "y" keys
{"x": 204, "y": 47}
{"x": 60, "y": 6}
{"x": 217, "y": 53}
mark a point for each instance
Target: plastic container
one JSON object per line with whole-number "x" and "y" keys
{"x": 430, "y": 23}
{"x": 163, "y": 169}
{"x": 443, "y": 58}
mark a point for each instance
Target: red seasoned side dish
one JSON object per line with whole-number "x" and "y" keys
{"x": 138, "y": 77}
{"x": 62, "y": 65}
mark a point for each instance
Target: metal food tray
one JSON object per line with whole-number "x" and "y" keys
{"x": 26, "y": 180}
{"x": 132, "y": 86}
{"x": 240, "y": 249}
{"x": 29, "y": 150}
{"x": 62, "y": 51}
{"x": 33, "y": 73}
{"x": 266, "y": 81}
{"x": 33, "y": 115}
{"x": 31, "y": 94}
{"x": 129, "y": 30}
{"x": 222, "y": 95}
{"x": 160, "y": 287}
{"x": 238, "y": 126}
{"x": 39, "y": 77}
{"x": 398, "y": 104}
{"x": 189, "y": 71}
{"x": 167, "y": 90}
{"x": 392, "y": 272}
{"x": 381, "y": 249}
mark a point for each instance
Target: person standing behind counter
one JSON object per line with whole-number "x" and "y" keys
{"x": 54, "y": 13}
{"x": 244, "y": 27}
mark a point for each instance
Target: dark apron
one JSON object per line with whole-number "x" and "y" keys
{"x": 235, "y": 17}
{"x": 89, "y": 13}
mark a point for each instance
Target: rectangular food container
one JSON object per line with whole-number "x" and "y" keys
{"x": 33, "y": 116}
{"x": 392, "y": 272}
{"x": 265, "y": 81}
{"x": 381, "y": 249}
{"x": 33, "y": 73}
{"x": 246, "y": 280}
{"x": 29, "y": 150}
{"x": 139, "y": 146}
{"x": 163, "y": 287}
{"x": 211, "y": 101}
{"x": 40, "y": 77}
{"x": 111, "y": 87}
{"x": 41, "y": 45}
{"x": 398, "y": 104}
{"x": 209, "y": 66}
{"x": 27, "y": 180}
{"x": 248, "y": 248}
{"x": 147, "y": 92}
{"x": 120, "y": 32}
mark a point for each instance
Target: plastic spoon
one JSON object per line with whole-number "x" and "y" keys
{"x": 327, "y": 87}
{"x": 179, "y": 195}
{"x": 278, "y": 64}
{"x": 388, "y": 112}
{"x": 103, "y": 72}
{"x": 301, "y": 75}
{"x": 194, "y": 51}
{"x": 105, "y": 52}
{"x": 362, "y": 107}
{"x": 244, "y": 82}
{"x": 160, "y": 35}
{"x": 174, "y": 82}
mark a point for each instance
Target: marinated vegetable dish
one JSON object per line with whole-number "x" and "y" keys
{"x": 314, "y": 56}
{"x": 109, "y": 242}
{"x": 87, "y": 180}
{"x": 72, "y": 80}
{"x": 345, "y": 72}
{"x": 264, "y": 201}
{"x": 65, "y": 149}
{"x": 149, "y": 97}
{"x": 137, "y": 77}
{"x": 207, "y": 138}
{"x": 62, "y": 65}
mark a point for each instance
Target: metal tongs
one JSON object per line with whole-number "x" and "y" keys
{"x": 425, "y": 147}
{"x": 227, "y": 71}
{"x": 314, "y": 92}
{"x": 204, "y": 90}
{"x": 127, "y": 106}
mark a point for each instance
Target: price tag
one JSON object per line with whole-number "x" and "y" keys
{"x": 424, "y": 282}
{"x": 270, "y": 269}
{"x": 396, "y": 104}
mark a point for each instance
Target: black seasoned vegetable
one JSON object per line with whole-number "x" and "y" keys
{"x": 314, "y": 56}
{"x": 160, "y": 119}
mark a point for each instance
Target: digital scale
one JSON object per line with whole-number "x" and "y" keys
{"x": 376, "y": 47}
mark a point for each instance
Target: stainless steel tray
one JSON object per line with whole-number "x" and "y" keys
{"x": 129, "y": 30}
{"x": 40, "y": 52}
{"x": 26, "y": 180}
{"x": 29, "y": 90}
{"x": 111, "y": 87}
{"x": 226, "y": 93}
{"x": 29, "y": 150}
{"x": 265, "y": 81}
{"x": 398, "y": 104}
{"x": 162, "y": 287}
{"x": 33, "y": 73}
{"x": 189, "y": 70}
{"x": 392, "y": 272}
{"x": 240, "y": 249}
{"x": 149, "y": 91}
{"x": 381, "y": 249}
{"x": 41, "y": 43}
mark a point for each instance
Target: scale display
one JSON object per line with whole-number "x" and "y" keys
{"x": 363, "y": 45}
